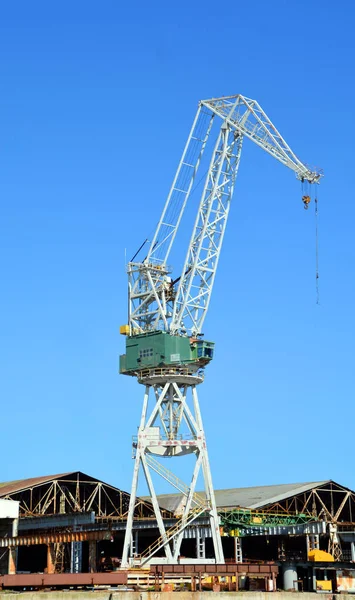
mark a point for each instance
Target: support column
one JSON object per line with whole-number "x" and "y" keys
{"x": 281, "y": 551}
{"x": 238, "y": 552}
{"x": 50, "y": 559}
{"x": 209, "y": 490}
{"x": 200, "y": 543}
{"x": 15, "y": 528}
{"x": 312, "y": 542}
{"x": 170, "y": 430}
{"x": 136, "y": 549}
{"x": 314, "y": 580}
{"x": 13, "y": 550}
{"x": 273, "y": 582}
{"x": 352, "y": 552}
{"x": 12, "y": 560}
{"x": 92, "y": 557}
{"x": 76, "y": 557}
{"x": 132, "y": 500}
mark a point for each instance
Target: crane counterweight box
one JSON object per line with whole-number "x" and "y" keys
{"x": 161, "y": 349}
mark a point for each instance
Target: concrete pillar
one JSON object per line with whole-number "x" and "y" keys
{"x": 352, "y": 552}
{"x": 50, "y": 558}
{"x": 289, "y": 572}
{"x": 92, "y": 557}
{"x": 12, "y": 560}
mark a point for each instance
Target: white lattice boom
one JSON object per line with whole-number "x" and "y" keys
{"x": 154, "y": 302}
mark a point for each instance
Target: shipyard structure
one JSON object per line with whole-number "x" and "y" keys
{"x": 73, "y": 529}
{"x": 289, "y": 536}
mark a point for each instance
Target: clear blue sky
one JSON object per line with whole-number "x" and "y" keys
{"x": 96, "y": 100}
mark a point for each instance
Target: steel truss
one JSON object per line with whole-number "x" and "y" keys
{"x": 194, "y": 291}
{"x": 74, "y": 493}
{"x": 330, "y": 502}
{"x": 158, "y": 302}
{"x": 171, "y": 428}
{"x": 154, "y": 303}
{"x": 243, "y": 517}
{"x": 150, "y": 286}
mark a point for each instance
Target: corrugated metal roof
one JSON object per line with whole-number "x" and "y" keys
{"x": 11, "y": 487}
{"x": 256, "y": 497}
{"x": 248, "y": 497}
{"x": 170, "y": 502}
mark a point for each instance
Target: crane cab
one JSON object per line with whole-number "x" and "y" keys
{"x": 202, "y": 350}
{"x": 161, "y": 349}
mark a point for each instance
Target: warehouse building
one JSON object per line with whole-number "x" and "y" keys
{"x": 68, "y": 522}
{"x": 73, "y": 522}
{"x": 9, "y": 518}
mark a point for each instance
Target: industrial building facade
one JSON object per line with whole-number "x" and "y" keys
{"x": 75, "y": 523}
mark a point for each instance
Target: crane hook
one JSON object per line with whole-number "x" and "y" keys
{"x": 306, "y": 200}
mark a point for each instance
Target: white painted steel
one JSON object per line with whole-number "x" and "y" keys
{"x": 249, "y": 119}
{"x": 154, "y": 301}
{"x": 172, "y": 428}
{"x": 200, "y": 266}
{"x": 9, "y": 509}
{"x": 184, "y": 178}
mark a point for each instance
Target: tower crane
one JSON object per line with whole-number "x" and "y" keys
{"x": 165, "y": 346}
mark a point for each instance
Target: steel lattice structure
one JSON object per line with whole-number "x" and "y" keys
{"x": 164, "y": 348}
{"x": 71, "y": 493}
{"x": 149, "y": 281}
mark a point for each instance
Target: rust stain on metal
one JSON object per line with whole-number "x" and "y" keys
{"x": 55, "y": 538}
{"x": 38, "y": 580}
{"x": 215, "y": 569}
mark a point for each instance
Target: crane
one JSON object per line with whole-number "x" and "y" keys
{"x": 165, "y": 346}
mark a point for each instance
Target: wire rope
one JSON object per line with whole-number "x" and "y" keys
{"x": 317, "y": 249}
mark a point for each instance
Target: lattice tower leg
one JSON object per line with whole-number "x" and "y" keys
{"x": 334, "y": 545}
{"x": 171, "y": 428}
{"x": 60, "y": 552}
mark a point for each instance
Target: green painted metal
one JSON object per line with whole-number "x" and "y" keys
{"x": 239, "y": 517}
{"x": 161, "y": 349}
